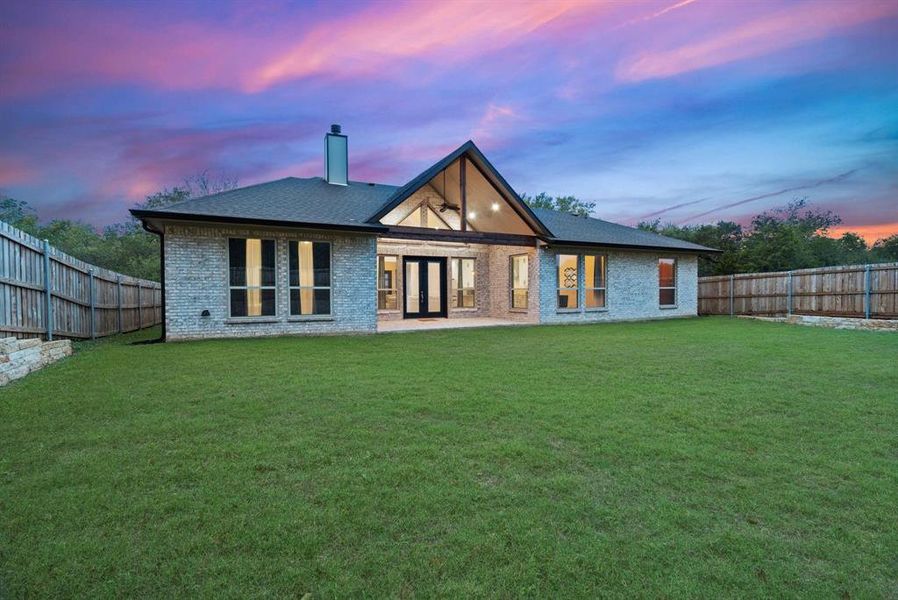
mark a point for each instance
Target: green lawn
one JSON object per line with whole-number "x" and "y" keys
{"x": 690, "y": 458}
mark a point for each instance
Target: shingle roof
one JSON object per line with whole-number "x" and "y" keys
{"x": 315, "y": 203}
{"x": 290, "y": 200}
{"x": 566, "y": 227}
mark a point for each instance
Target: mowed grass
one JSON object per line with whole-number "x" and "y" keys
{"x": 691, "y": 458}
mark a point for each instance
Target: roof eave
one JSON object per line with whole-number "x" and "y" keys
{"x": 230, "y": 220}
{"x": 582, "y": 243}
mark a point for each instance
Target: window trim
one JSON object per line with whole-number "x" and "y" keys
{"x": 513, "y": 289}
{"x": 675, "y": 279}
{"x": 253, "y": 318}
{"x": 395, "y": 287}
{"x": 329, "y": 288}
{"x": 558, "y": 287}
{"x": 453, "y": 292}
{"x": 604, "y": 281}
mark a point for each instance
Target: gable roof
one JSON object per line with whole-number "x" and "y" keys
{"x": 470, "y": 150}
{"x": 315, "y": 204}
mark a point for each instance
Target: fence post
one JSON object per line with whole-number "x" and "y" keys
{"x": 867, "y": 283}
{"x": 48, "y": 291}
{"x": 732, "y": 283}
{"x": 118, "y": 286}
{"x": 93, "y": 322}
{"x": 139, "y": 308}
{"x": 789, "y": 295}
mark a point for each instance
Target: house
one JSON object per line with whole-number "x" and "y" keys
{"x": 329, "y": 255}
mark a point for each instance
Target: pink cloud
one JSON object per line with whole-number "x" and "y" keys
{"x": 796, "y": 24}
{"x": 14, "y": 171}
{"x": 79, "y": 44}
{"x": 368, "y": 42}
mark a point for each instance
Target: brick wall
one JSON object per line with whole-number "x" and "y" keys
{"x": 632, "y": 287}
{"x": 196, "y": 279}
{"x": 500, "y": 283}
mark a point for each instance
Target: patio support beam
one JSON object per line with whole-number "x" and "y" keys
{"x": 463, "y": 188}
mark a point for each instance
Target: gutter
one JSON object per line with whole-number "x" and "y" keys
{"x": 161, "y": 235}
{"x": 700, "y": 250}
{"x": 154, "y": 214}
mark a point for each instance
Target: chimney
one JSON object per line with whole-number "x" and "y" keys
{"x": 336, "y": 157}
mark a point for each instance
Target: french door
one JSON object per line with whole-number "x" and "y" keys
{"x": 425, "y": 287}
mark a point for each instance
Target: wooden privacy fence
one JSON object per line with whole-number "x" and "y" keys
{"x": 47, "y": 293}
{"x": 865, "y": 291}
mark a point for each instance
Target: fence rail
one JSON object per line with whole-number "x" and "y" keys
{"x": 865, "y": 291}
{"x": 46, "y": 293}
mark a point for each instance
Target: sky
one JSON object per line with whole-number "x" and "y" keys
{"x": 687, "y": 111}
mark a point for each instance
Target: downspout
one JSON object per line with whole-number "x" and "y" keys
{"x": 161, "y": 235}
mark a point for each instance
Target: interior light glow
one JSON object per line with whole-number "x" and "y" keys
{"x": 472, "y": 214}
{"x": 495, "y": 207}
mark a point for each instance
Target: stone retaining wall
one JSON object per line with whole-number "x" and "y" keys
{"x": 833, "y": 322}
{"x": 20, "y": 357}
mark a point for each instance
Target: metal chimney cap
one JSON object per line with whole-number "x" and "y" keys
{"x": 335, "y": 128}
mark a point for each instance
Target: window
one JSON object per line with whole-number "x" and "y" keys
{"x": 519, "y": 281}
{"x": 462, "y": 293}
{"x": 251, "y": 277}
{"x": 667, "y": 281}
{"x": 310, "y": 278}
{"x": 594, "y": 286}
{"x": 387, "y": 271}
{"x": 568, "y": 277}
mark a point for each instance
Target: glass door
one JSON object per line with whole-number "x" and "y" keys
{"x": 425, "y": 287}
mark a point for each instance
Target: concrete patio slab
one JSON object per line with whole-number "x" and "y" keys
{"x": 405, "y": 325}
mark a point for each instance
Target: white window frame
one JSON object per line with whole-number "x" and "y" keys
{"x": 673, "y": 287}
{"x": 526, "y": 290}
{"x": 329, "y": 288}
{"x": 394, "y": 289}
{"x": 454, "y": 291}
{"x": 559, "y": 288}
{"x": 604, "y": 287}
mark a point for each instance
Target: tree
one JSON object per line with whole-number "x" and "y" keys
{"x": 886, "y": 249}
{"x": 123, "y": 247}
{"x": 789, "y": 238}
{"x": 724, "y": 235}
{"x": 567, "y": 204}
{"x": 18, "y": 214}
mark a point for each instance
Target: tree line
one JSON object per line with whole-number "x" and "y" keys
{"x": 791, "y": 237}
{"x": 123, "y": 247}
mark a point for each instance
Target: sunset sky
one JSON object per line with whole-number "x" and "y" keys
{"x": 689, "y": 111}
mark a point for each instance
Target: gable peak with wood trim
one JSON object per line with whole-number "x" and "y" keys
{"x": 461, "y": 192}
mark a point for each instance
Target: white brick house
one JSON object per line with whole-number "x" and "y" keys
{"x": 330, "y": 255}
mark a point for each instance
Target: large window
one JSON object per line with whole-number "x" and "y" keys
{"x": 594, "y": 286}
{"x": 310, "y": 278}
{"x": 251, "y": 277}
{"x": 519, "y": 281}
{"x": 387, "y": 273}
{"x": 667, "y": 281}
{"x": 462, "y": 283}
{"x": 568, "y": 281}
